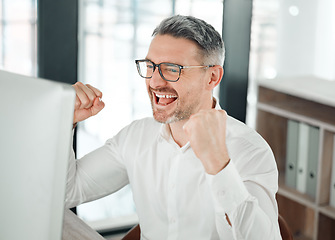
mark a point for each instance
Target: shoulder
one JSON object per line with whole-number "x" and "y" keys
{"x": 237, "y": 130}
{"x": 248, "y": 148}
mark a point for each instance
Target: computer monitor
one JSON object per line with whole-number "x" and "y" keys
{"x": 35, "y": 137}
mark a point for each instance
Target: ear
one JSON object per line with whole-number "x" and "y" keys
{"x": 215, "y": 77}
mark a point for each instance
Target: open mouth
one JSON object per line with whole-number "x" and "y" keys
{"x": 164, "y": 99}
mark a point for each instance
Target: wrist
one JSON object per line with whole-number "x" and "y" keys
{"x": 214, "y": 169}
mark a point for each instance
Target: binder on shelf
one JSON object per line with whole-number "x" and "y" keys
{"x": 302, "y": 157}
{"x": 313, "y": 159}
{"x": 332, "y": 183}
{"x": 291, "y": 153}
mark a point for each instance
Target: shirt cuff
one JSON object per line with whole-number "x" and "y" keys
{"x": 227, "y": 188}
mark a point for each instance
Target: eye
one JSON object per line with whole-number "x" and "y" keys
{"x": 150, "y": 66}
{"x": 172, "y": 69}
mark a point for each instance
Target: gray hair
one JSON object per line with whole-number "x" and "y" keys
{"x": 203, "y": 34}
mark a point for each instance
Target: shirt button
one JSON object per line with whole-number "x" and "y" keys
{"x": 172, "y": 220}
{"x": 221, "y": 193}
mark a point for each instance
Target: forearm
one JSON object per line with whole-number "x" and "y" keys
{"x": 244, "y": 208}
{"x": 249, "y": 221}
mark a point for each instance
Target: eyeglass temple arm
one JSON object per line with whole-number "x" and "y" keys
{"x": 206, "y": 66}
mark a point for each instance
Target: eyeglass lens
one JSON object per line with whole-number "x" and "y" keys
{"x": 168, "y": 71}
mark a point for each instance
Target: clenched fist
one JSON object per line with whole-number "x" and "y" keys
{"x": 206, "y": 131}
{"x": 88, "y": 102}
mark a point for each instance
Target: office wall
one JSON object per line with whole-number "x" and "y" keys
{"x": 306, "y": 36}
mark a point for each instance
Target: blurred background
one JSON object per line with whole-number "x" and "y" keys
{"x": 287, "y": 38}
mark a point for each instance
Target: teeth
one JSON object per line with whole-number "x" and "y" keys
{"x": 165, "y": 96}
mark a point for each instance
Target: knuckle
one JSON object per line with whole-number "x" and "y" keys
{"x": 79, "y": 84}
{"x": 85, "y": 101}
{"x": 77, "y": 104}
{"x": 91, "y": 98}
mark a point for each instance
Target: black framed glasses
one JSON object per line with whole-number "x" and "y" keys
{"x": 169, "y": 71}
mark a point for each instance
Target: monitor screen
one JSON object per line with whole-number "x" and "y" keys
{"x": 35, "y": 141}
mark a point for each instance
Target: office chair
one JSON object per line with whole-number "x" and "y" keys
{"x": 285, "y": 231}
{"x": 135, "y": 232}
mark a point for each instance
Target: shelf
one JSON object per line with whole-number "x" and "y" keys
{"x": 295, "y": 116}
{"x": 294, "y": 107}
{"x": 273, "y": 129}
{"x": 295, "y": 195}
{"x": 305, "y": 87}
{"x": 326, "y": 228}
{"x": 309, "y": 101}
{"x": 299, "y": 218}
{"x": 327, "y": 211}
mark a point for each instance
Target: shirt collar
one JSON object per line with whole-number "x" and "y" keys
{"x": 216, "y": 104}
{"x": 165, "y": 131}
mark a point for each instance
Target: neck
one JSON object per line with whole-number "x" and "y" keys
{"x": 178, "y": 133}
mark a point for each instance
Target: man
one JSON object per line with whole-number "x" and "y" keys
{"x": 195, "y": 172}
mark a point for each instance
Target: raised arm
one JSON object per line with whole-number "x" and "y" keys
{"x": 246, "y": 203}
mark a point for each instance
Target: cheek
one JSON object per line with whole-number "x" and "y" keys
{"x": 147, "y": 84}
{"x": 187, "y": 94}
{"x": 193, "y": 86}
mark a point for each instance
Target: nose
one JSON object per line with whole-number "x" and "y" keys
{"x": 156, "y": 80}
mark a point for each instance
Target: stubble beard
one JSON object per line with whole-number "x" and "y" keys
{"x": 182, "y": 112}
{"x": 177, "y": 115}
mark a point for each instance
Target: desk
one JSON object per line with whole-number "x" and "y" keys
{"x": 76, "y": 229}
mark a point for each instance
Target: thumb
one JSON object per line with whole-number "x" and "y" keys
{"x": 186, "y": 127}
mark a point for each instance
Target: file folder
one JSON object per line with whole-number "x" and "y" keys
{"x": 313, "y": 160}
{"x": 302, "y": 157}
{"x": 291, "y": 153}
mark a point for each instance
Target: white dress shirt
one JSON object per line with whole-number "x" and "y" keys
{"x": 175, "y": 198}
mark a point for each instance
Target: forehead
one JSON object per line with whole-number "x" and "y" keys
{"x": 166, "y": 48}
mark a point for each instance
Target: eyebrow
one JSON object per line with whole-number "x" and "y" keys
{"x": 163, "y": 62}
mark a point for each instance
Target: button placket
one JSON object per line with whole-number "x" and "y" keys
{"x": 172, "y": 197}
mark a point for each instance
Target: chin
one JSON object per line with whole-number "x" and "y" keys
{"x": 162, "y": 118}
